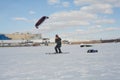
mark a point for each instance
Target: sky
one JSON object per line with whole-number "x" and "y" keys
{"x": 70, "y": 19}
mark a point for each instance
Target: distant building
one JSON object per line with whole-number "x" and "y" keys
{"x": 23, "y": 36}
{"x": 45, "y": 41}
{"x": 65, "y": 42}
{"x": 20, "y": 39}
{"x": 36, "y": 36}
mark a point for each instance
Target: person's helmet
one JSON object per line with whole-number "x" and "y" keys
{"x": 56, "y": 35}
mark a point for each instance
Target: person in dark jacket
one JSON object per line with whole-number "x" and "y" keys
{"x": 58, "y": 44}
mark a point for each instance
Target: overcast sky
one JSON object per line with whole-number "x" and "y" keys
{"x": 71, "y": 19}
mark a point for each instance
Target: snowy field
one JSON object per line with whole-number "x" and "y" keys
{"x": 31, "y": 63}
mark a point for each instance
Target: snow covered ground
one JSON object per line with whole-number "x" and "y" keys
{"x": 31, "y": 63}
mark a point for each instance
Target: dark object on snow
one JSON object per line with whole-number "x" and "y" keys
{"x": 92, "y": 51}
{"x": 85, "y": 45}
{"x": 40, "y": 21}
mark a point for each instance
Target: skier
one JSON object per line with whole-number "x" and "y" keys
{"x": 58, "y": 44}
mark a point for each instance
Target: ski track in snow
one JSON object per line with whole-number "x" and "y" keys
{"x": 31, "y": 63}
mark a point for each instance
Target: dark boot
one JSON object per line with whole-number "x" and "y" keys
{"x": 60, "y": 50}
{"x": 56, "y": 50}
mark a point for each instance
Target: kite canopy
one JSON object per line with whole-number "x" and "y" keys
{"x": 40, "y": 21}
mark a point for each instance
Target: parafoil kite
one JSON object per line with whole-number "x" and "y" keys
{"x": 40, "y": 21}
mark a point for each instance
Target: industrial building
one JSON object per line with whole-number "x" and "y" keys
{"x": 21, "y": 39}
